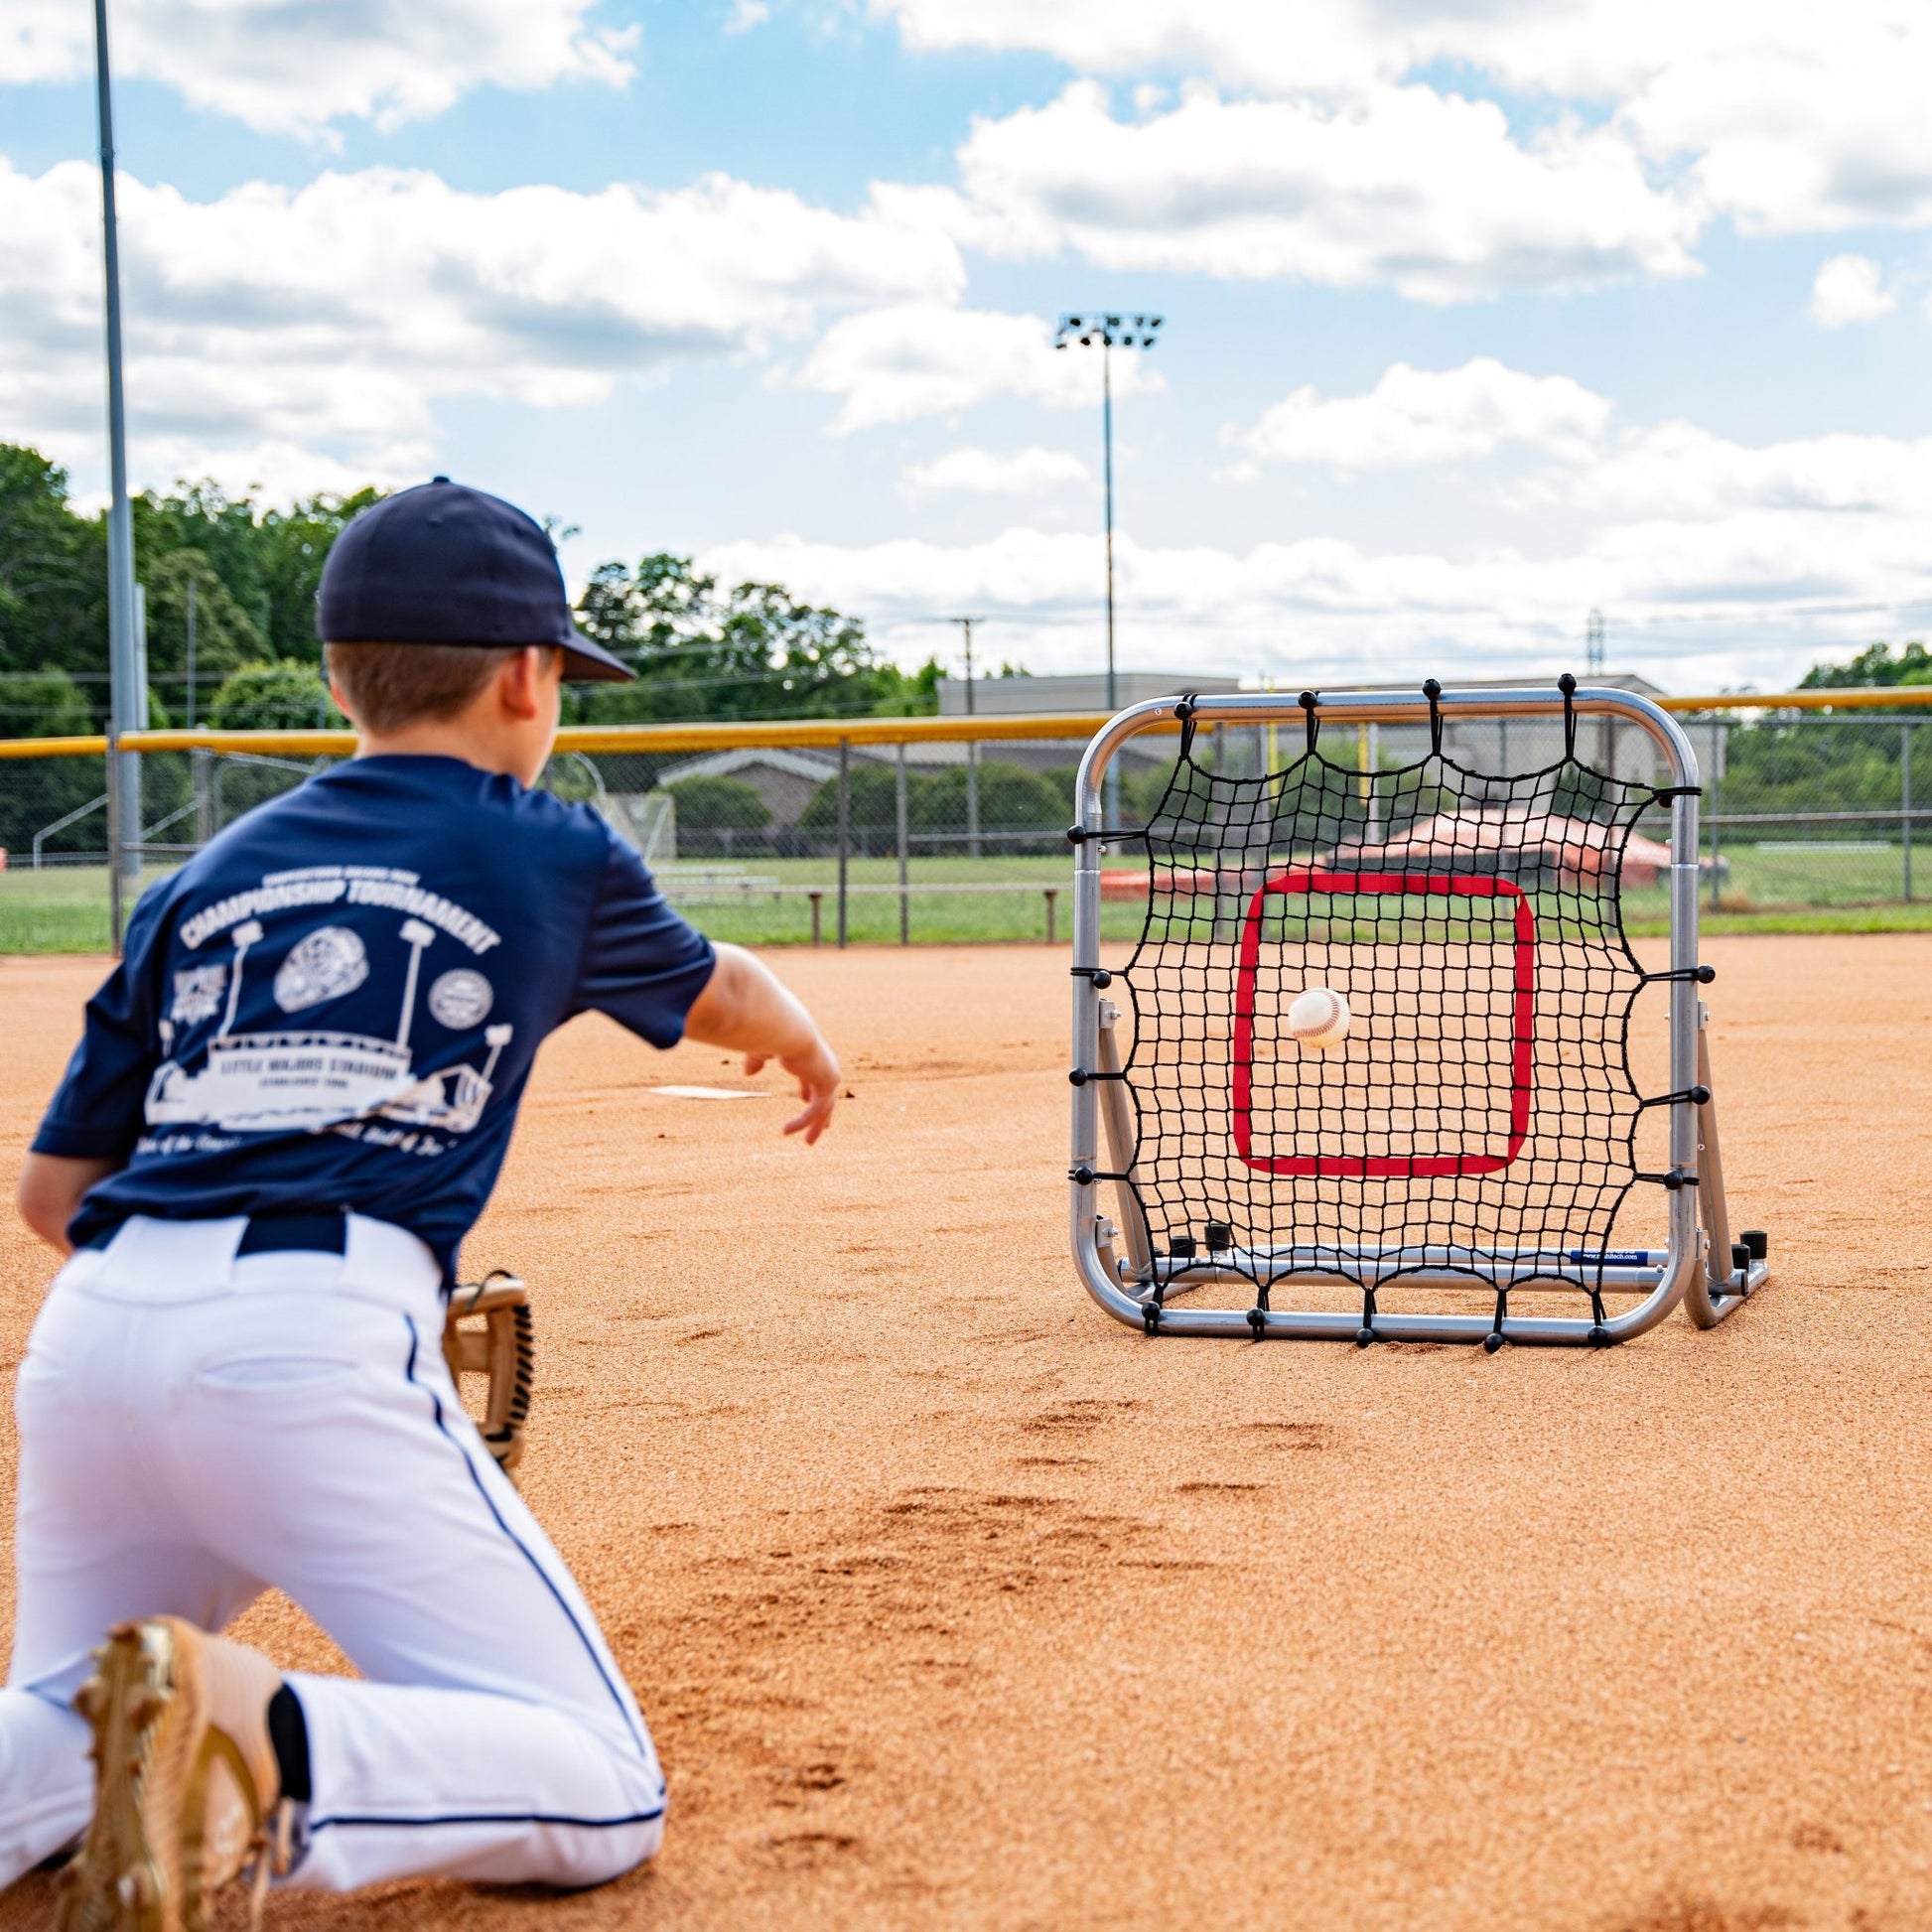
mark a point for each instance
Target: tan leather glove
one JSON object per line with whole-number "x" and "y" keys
{"x": 489, "y": 1330}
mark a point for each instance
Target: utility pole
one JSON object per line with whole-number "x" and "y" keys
{"x": 1593, "y": 669}
{"x": 127, "y": 699}
{"x": 972, "y": 747}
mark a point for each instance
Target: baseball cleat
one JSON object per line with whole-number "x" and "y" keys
{"x": 186, "y": 1782}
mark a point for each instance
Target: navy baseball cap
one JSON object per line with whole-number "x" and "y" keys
{"x": 443, "y": 564}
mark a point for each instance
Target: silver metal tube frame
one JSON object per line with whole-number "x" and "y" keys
{"x": 1661, "y": 1280}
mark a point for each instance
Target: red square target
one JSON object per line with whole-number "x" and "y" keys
{"x": 1521, "y": 1015}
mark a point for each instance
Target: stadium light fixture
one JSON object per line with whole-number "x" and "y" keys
{"x": 1107, "y": 331}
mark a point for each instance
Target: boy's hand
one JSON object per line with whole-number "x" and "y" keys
{"x": 818, "y": 1075}
{"x": 744, "y": 1009}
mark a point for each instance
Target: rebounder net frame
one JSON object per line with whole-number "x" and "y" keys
{"x": 1468, "y": 1158}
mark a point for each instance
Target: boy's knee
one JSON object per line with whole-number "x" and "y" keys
{"x": 606, "y": 1853}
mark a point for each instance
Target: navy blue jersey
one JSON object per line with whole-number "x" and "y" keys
{"x": 336, "y": 1003}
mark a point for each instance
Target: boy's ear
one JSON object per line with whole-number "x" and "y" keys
{"x": 342, "y": 700}
{"x": 519, "y": 681}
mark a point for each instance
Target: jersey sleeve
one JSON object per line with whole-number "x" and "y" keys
{"x": 641, "y": 963}
{"x": 98, "y": 1110}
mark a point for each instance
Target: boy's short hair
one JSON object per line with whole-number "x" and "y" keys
{"x": 389, "y": 686}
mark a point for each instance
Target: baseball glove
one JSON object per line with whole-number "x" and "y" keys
{"x": 489, "y": 1332}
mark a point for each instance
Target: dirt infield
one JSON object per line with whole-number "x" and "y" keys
{"x": 953, "y": 1603}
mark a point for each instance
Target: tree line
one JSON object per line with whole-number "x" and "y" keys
{"x": 241, "y": 577}
{"x": 245, "y": 573}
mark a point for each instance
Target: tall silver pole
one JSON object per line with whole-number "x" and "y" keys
{"x": 898, "y": 826}
{"x": 1906, "y": 804}
{"x": 124, "y": 701}
{"x": 972, "y": 750}
{"x": 1107, "y": 441}
{"x": 1136, "y": 332}
{"x": 845, "y": 829}
{"x": 1107, "y": 463}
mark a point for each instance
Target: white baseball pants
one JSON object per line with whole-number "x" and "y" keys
{"x": 194, "y": 1426}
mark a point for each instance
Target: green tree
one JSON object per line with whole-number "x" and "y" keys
{"x": 38, "y": 791}
{"x": 274, "y": 697}
{"x": 270, "y": 560}
{"x": 41, "y": 704}
{"x": 1874, "y": 666}
{"x": 705, "y": 804}
{"x": 53, "y": 572}
{"x": 755, "y": 651}
{"x": 226, "y": 636}
{"x": 908, "y": 694}
{"x": 201, "y": 518}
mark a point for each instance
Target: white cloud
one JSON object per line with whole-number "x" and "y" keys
{"x": 1683, "y": 472}
{"x": 1430, "y": 193}
{"x": 333, "y": 317}
{"x": 289, "y": 67}
{"x": 1033, "y": 472}
{"x": 1675, "y": 471}
{"x": 747, "y": 14}
{"x": 1758, "y": 595}
{"x": 1849, "y": 288}
{"x": 1414, "y": 417}
{"x": 1784, "y": 115}
{"x": 894, "y": 364}
{"x": 1796, "y": 117}
{"x": 1719, "y": 562}
{"x": 1313, "y": 45}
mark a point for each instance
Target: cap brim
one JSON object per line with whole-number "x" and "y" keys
{"x": 587, "y": 662}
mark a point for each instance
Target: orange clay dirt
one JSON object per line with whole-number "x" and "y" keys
{"x": 954, "y": 1603}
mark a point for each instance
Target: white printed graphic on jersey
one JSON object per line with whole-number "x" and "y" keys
{"x": 198, "y": 994}
{"x": 461, "y": 999}
{"x": 263, "y": 1082}
{"x": 326, "y": 964}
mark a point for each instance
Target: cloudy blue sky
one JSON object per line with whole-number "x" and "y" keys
{"x": 1480, "y": 313}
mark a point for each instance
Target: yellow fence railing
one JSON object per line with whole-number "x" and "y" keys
{"x": 763, "y": 734}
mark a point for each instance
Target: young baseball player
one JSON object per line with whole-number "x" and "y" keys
{"x": 290, "y": 1104}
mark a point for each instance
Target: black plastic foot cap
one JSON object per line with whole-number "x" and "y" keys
{"x": 1364, "y": 1338}
{"x": 1491, "y": 1342}
{"x": 1757, "y": 1242}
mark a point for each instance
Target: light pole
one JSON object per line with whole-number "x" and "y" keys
{"x": 1111, "y": 332}
{"x": 127, "y": 700}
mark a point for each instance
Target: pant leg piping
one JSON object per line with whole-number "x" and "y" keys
{"x": 550, "y": 1583}
{"x": 319, "y": 1825}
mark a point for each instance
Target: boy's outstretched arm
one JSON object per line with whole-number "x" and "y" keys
{"x": 50, "y": 1190}
{"x": 745, "y": 1010}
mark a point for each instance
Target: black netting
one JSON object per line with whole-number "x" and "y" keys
{"x": 1484, "y": 1099}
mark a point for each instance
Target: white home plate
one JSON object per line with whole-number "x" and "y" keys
{"x": 709, "y": 1093}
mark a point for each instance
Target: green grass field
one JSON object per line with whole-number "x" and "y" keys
{"x": 61, "y": 910}
{"x": 1819, "y": 889}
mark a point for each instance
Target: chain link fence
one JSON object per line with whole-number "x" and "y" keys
{"x": 1809, "y": 820}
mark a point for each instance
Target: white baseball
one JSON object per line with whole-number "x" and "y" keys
{"x": 1319, "y": 1018}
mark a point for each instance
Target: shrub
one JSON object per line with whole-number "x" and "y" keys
{"x": 279, "y": 696}
{"x": 708, "y": 803}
